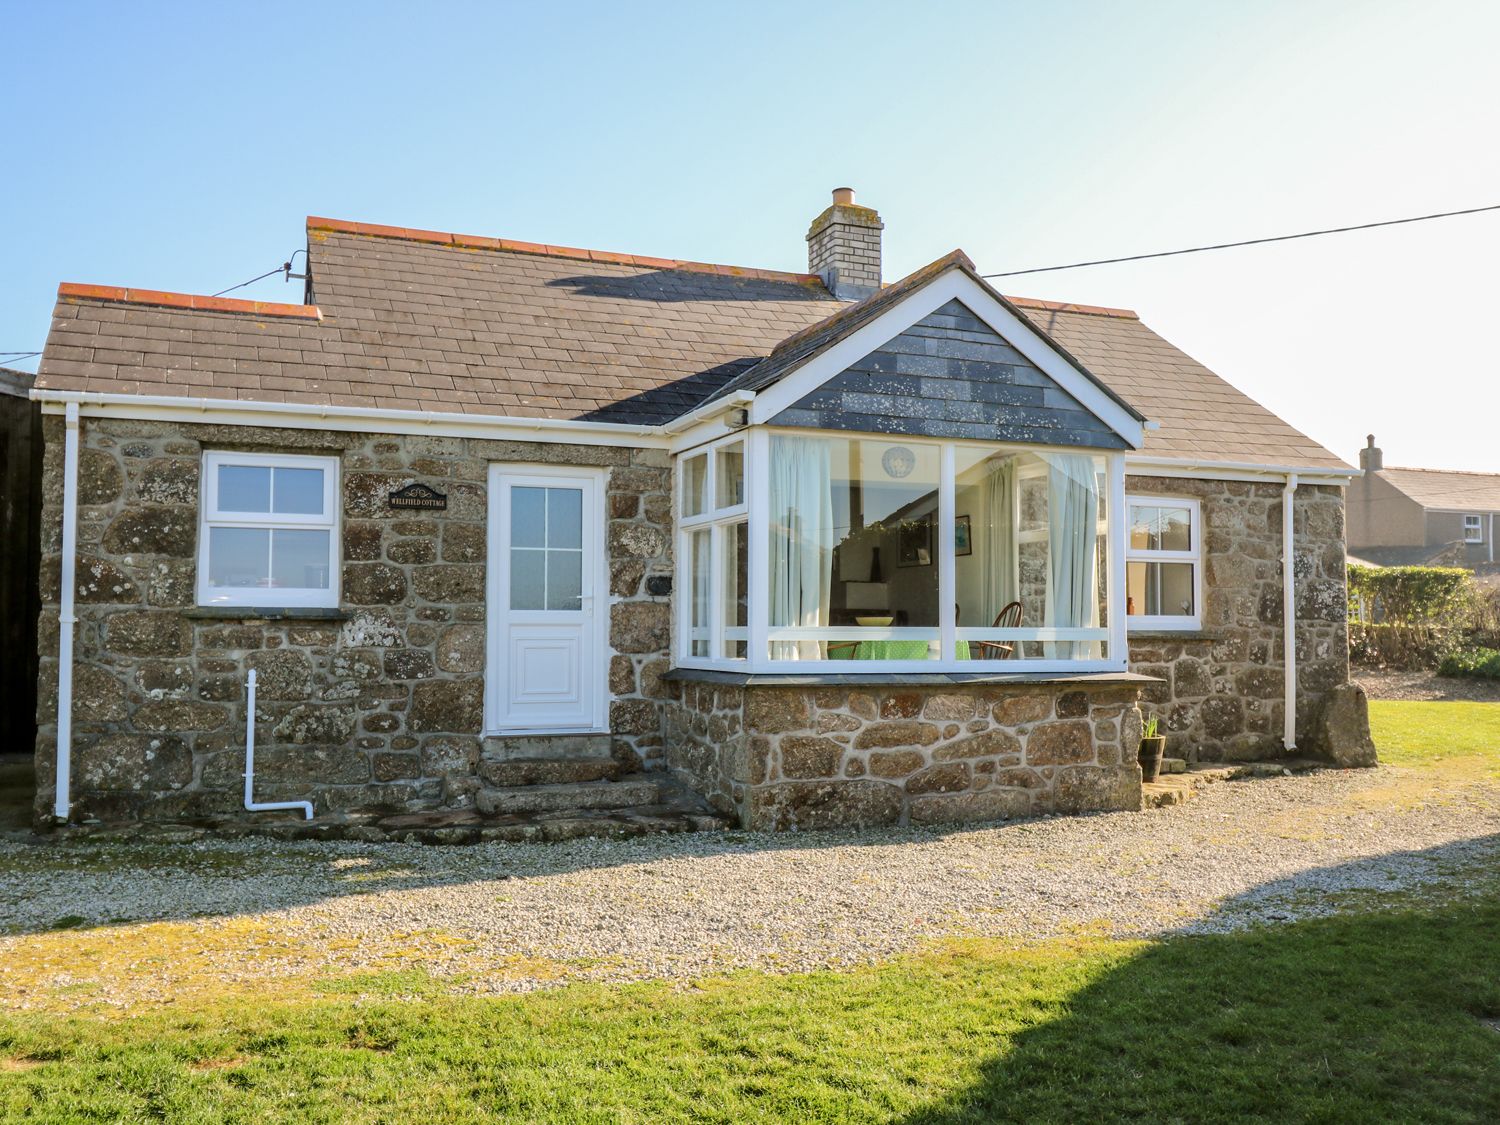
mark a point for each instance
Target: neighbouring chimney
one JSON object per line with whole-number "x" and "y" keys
{"x": 843, "y": 247}
{"x": 1371, "y": 460}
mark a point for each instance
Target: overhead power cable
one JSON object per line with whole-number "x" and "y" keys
{"x": 252, "y": 281}
{"x": 16, "y": 357}
{"x": 1248, "y": 242}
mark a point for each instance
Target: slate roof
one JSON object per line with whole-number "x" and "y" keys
{"x": 1446, "y": 489}
{"x": 425, "y": 320}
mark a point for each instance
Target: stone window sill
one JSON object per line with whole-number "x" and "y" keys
{"x": 264, "y": 613}
{"x": 1175, "y": 635}
{"x": 1077, "y": 680}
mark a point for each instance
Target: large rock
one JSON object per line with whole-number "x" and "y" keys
{"x": 1345, "y": 727}
{"x": 153, "y": 529}
{"x": 455, "y": 706}
{"x": 970, "y": 808}
{"x": 814, "y": 805}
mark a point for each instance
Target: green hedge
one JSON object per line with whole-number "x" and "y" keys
{"x": 1478, "y": 662}
{"x": 1411, "y": 595}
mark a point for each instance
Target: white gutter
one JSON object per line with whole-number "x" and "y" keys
{"x": 250, "y": 802}
{"x": 1232, "y": 470}
{"x": 737, "y": 400}
{"x": 66, "y": 618}
{"x": 299, "y": 415}
{"x": 1289, "y": 611}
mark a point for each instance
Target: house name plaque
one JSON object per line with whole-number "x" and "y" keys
{"x": 419, "y": 496}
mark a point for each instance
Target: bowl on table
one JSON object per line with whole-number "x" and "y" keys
{"x": 873, "y": 622}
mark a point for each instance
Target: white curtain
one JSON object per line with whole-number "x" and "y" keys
{"x": 996, "y": 539}
{"x": 1072, "y": 555}
{"x": 801, "y": 540}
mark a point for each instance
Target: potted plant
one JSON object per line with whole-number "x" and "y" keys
{"x": 1153, "y": 746}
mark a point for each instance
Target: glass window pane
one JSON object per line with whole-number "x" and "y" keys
{"x": 528, "y": 517}
{"x": 695, "y": 485}
{"x": 239, "y": 556}
{"x": 565, "y": 517}
{"x": 736, "y": 578}
{"x": 527, "y": 578}
{"x": 1160, "y": 528}
{"x": 564, "y": 580}
{"x": 698, "y": 583}
{"x": 730, "y": 476}
{"x": 298, "y": 491}
{"x": 299, "y": 559}
{"x": 853, "y": 544}
{"x": 1159, "y": 589}
{"x": 244, "y": 488}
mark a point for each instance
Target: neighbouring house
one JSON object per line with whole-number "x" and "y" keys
{"x": 1421, "y": 517}
{"x": 503, "y": 527}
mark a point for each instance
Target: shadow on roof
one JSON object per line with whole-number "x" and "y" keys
{"x": 688, "y": 285}
{"x": 668, "y": 401}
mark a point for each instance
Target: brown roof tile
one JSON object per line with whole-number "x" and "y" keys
{"x": 465, "y": 323}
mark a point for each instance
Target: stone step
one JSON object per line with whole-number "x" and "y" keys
{"x": 624, "y": 793}
{"x": 1174, "y": 765}
{"x": 1175, "y": 788}
{"x": 546, "y": 746}
{"x": 549, "y": 771}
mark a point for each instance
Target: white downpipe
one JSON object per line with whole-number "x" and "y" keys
{"x": 66, "y": 617}
{"x": 250, "y": 802}
{"x": 1289, "y": 610}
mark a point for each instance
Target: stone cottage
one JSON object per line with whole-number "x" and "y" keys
{"x": 521, "y": 539}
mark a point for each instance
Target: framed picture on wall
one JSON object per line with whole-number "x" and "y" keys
{"x": 914, "y": 543}
{"x": 962, "y": 543}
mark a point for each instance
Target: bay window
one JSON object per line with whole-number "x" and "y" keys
{"x": 867, "y": 553}
{"x": 714, "y": 553}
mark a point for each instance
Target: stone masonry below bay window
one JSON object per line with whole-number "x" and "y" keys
{"x": 377, "y": 703}
{"x": 785, "y": 757}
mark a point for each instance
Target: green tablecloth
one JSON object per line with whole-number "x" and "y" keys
{"x": 891, "y": 650}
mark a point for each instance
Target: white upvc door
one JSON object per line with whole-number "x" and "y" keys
{"x": 548, "y": 655}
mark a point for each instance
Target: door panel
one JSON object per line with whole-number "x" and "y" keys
{"x": 547, "y": 651}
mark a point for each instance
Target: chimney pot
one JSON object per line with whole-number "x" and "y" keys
{"x": 843, "y": 247}
{"x": 1371, "y": 459}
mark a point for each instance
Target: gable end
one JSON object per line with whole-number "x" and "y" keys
{"x": 950, "y": 375}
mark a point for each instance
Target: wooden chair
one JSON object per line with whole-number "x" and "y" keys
{"x": 1008, "y": 618}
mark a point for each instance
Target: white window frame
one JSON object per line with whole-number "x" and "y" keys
{"x": 1473, "y": 532}
{"x": 719, "y": 522}
{"x": 1168, "y": 622}
{"x": 209, "y": 516}
{"x": 756, "y": 510}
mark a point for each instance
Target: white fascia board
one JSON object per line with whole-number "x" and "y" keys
{"x": 1235, "y": 470}
{"x": 304, "y": 416}
{"x": 953, "y": 285}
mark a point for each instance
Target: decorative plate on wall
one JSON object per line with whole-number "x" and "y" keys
{"x": 898, "y": 461}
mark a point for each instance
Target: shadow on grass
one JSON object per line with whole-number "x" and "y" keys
{"x": 1377, "y": 1015}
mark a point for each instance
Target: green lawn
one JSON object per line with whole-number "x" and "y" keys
{"x": 1372, "y": 1016}
{"x": 1458, "y": 738}
{"x": 1388, "y": 1012}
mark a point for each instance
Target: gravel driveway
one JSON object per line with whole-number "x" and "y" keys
{"x": 203, "y": 917}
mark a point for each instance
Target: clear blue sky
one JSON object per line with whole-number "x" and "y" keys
{"x": 181, "y": 146}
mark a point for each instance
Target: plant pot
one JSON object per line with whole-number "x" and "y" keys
{"x": 1151, "y": 753}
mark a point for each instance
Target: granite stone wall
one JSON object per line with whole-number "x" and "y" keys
{"x": 802, "y": 757}
{"x": 1221, "y": 695}
{"x": 376, "y": 704}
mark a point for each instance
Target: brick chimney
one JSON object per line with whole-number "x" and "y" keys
{"x": 843, "y": 247}
{"x": 1371, "y": 460}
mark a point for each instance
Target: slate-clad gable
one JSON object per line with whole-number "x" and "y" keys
{"x": 951, "y": 375}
